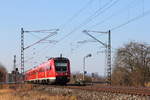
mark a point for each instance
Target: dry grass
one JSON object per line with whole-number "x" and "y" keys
{"x": 29, "y": 94}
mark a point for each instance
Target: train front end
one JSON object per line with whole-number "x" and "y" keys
{"x": 62, "y": 70}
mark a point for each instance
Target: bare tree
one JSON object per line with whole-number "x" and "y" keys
{"x": 132, "y": 65}
{"x": 3, "y": 73}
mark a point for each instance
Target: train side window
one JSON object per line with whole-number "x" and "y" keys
{"x": 48, "y": 67}
{"x": 41, "y": 70}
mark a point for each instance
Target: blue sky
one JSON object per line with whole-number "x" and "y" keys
{"x": 50, "y": 14}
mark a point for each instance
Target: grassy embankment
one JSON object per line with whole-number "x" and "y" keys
{"x": 28, "y": 93}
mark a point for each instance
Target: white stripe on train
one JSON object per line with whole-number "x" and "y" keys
{"x": 50, "y": 78}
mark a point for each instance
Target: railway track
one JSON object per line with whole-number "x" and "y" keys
{"x": 141, "y": 91}
{"x": 121, "y": 90}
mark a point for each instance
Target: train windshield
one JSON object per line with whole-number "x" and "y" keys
{"x": 61, "y": 66}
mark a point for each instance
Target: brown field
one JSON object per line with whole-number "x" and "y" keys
{"x": 29, "y": 94}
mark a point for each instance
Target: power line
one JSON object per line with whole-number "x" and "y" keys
{"x": 95, "y": 14}
{"x": 42, "y": 31}
{"x": 100, "y": 11}
{"x": 107, "y": 46}
{"x": 71, "y": 19}
{"x": 35, "y": 35}
{"x": 76, "y": 14}
{"x": 111, "y": 16}
{"x": 40, "y": 40}
{"x": 87, "y": 20}
{"x": 27, "y": 60}
{"x": 131, "y": 20}
{"x": 43, "y": 41}
{"x": 22, "y": 43}
{"x": 43, "y": 50}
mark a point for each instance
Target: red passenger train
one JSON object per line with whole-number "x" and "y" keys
{"x": 55, "y": 70}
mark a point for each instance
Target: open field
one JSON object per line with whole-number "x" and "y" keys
{"x": 55, "y": 92}
{"x": 26, "y": 93}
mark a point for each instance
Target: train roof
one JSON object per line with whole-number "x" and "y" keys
{"x": 58, "y": 58}
{"x": 40, "y": 65}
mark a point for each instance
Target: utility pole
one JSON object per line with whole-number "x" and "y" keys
{"x": 108, "y": 48}
{"x": 22, "y": 51}
{"x": 23, "y": 48}
{"x": 84, "y": 71}
{"x": 109, "y": 58}
{"x": 14, "y": 63}
{"x": 84, "y": 68}
{"x": 15, "y": 71}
